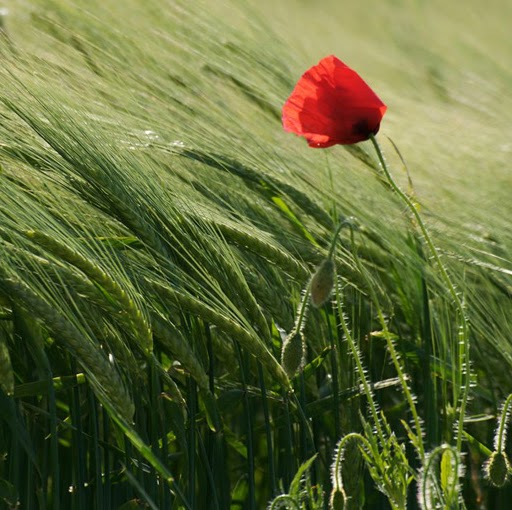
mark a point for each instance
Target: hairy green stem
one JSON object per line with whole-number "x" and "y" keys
{"x": 425, "y": 479}
{"x": 284, "y": 499}
{"x": 338, "y": 459}
{"x": 335, "y": 238}
{"x": 463, "y": 333}
{"x": 359, "y": 365}
{"x": 392, "y": 351}
{"x": 502, "y": 428}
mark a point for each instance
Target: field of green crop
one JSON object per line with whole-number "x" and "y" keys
{"x": 158, "y": 235}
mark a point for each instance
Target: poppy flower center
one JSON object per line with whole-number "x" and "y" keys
{"x": 362, "y": 128}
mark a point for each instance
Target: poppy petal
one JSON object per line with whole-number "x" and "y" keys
{"x": 331, "y": 104}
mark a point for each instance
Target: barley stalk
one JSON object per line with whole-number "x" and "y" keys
{"x": 89, "y": 292}
{"x": 103, "y": 375}
{"x": 97, "y": 275}
{"x": 248, "y": 339}
{"x": 224, "y": 269}
{"x": 267, "y": 250}
{"x": 6, "y": 371}
{"x": 259, "y": 177}
{"x": 174, "y": 343}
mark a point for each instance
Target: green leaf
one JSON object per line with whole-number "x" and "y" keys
{"x": 291, "y": 216}
{"x": 234, "y": 443}
{"x": 9, "y": 494}
{"x": 476, "y": 445}
{"x": 296, "y": 482}
{"x": 6, "y": 372}
{"x": 313, "y": 365}
{"x": 42, "y": 387}
{"x": 447, "y": 474}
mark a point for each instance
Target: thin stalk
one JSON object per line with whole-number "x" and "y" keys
{"x": 152, "y": 484}
{"x": 303, "y": 309}
{"x": 304, "y": 428}
{"x": 129, "y": 460}
{"x": 335, "y": 238}
{"x": 502, "y": 429}
{"x": 208, "y": 473}
{"x": 289, "y": 441}
{"x": 106, "y": 460}
{"x": 284, "y": 501}
{"x": 335, "y": 379}
{"x": 268, "y": 432}
{"x": 336, "y": 468}
{"x": 192, "y": 409}
{"x": 391, "y": 350}
{"x": 213, "y": 438}
{"x": 211, "y": 359}
{"x": 16, "y": 453}
{"x": 95, "y": 450}
{"x": 463, "y": 340}
{"x": 431, "y": 391}
{"x": 359, "y": 366}
{"x": 249, "y": 420}
{"x": 164, "y": 452}
{"x": 79, "y": 442}
{"x": 54, "y": 442}
{"x": 30, "y": 487}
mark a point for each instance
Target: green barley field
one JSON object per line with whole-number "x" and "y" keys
{"x": 159, "y": 231}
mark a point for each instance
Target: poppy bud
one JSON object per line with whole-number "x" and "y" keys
{"x": 497, "y": 469}
{"x": 322, "y": 282}
{"x": 337, "y": 500}
{"x": 292, "y": 353}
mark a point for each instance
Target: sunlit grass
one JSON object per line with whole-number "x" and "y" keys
{"x": 158, "y": 231}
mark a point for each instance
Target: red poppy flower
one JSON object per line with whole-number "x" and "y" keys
{"x": 331, "y": 104}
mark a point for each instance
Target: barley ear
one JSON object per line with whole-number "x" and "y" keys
{"x": 104, "y": 377}
{"x": 97, "y": 275}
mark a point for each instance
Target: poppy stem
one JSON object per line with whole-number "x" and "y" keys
{"x": 332, "y": 248}
{"x": 392, "y": 351}
{"x": 463, "y": 333}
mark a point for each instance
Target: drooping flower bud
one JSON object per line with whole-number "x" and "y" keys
{"x": 337, "y": 500}
{"x": 322, "y": 282}
{"x": 293, "y": 353}
{"x": 497, "y": 469}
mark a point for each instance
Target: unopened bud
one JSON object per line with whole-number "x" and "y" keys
{"x": 292, "y": 353}
{"x": 322, "y": 282}
{"x": 497, "y": 469}
{"x": 337, "y": 500}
